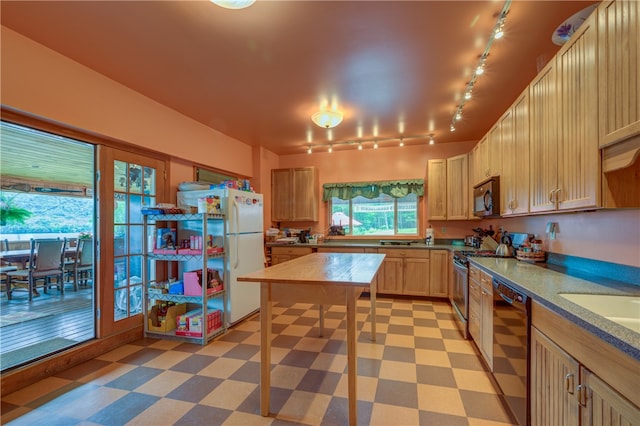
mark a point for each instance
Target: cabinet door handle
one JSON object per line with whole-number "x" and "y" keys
{"x": 568, "y": 383}
{"x": 551, "y": 195}
{"x": 558, "y": 191}
{"x": 582, "y": 395}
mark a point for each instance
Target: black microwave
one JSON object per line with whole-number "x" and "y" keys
{"x": 486, "y": 198}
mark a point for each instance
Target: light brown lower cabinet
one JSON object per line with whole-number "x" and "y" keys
{"x": 563, "y": 386}
{"x": 282, "y": 254}
{"x": 481, "y": 312}
{"x": 563, "y": 392}
{"x": 439, "y": 263}
{"x": 414, "y": 272}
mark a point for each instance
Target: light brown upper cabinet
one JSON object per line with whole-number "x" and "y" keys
{"x": 437, "y": 189}
{"x": 448, "y": 188}
{"x": 458, "y": 187}
{"x": 619, "y": 68}
{"x": 514, "y": 179}
{"x": 565, "y": 167}
{"x": 294, "y": 194}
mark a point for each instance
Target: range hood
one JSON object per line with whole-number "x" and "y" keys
{"x": 620, "y": 155}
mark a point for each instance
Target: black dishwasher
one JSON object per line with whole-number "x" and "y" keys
{"x": 511, "y": 347}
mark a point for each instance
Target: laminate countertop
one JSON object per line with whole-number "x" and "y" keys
{"x": 373, "y": 244}
{"x": 544, "y": 286}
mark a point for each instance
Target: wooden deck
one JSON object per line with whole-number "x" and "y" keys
{"x": 51, "y": 322}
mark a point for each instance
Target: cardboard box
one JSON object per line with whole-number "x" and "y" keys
{"x": 169, "y": 323}
{"x": 191, "y": 323}
{"x": 209, "y": 205}
{"x": 193, "y": 282}
{"x": 166, "y": 239}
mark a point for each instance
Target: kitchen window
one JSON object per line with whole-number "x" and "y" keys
{"x": 375, "y": 208}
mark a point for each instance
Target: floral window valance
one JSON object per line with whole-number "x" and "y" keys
{"x": 393, "y": 188}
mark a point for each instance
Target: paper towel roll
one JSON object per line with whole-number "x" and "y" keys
{"x": 429, "y": 236}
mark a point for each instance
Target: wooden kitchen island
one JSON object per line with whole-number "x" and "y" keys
{"x": 323, "y": 279}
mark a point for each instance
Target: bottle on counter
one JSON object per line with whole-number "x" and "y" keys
{"x": 429, "y": 236}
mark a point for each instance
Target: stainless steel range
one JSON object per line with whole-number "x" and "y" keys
{"x": 460, "y": 291}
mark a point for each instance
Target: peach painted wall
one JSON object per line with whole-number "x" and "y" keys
{"x": 41, "y": 82}
{"x": 351, "y": 165}
{"x": 607, "y": 235}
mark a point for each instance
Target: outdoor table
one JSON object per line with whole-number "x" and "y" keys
{"x": 318, "y": 278}
{"x": 22, "y": 255}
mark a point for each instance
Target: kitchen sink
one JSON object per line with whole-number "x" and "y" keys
{"x": 624, "y": 310}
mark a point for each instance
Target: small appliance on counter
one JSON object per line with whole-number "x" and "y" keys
{"x": 336, "y": 230}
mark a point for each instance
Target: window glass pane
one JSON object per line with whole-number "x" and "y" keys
{"x": 136, "y": 180}
{"x": 135, "y": 205}
{"x": 120, "y": 176}
{"x": 135, "y": 269}
{"x": 119, "y": 240}
{"x": 135, "y": 300}
{"x": 149, "y": 181}
{"x": 120, "y": 305}
{"x": 119, "y": 208}
{"x": 120, "y": 272}
{"x": 383, "y": 215}
{"x": 340, "y": 213}
{"x": 135, "y": 239}
{"x": 373, "y": 217}
{"x": 408, "y": 214}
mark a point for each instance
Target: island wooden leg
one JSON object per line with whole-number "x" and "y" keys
{"x": 265, "y": 349}
{"x": 373, "y": 288}
{"x": 352, "y": 372}
{"x": 321, "y": 312}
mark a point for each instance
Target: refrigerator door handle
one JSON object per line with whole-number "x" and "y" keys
{"x": 236, "y": 210}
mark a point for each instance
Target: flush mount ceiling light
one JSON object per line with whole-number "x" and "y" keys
{"x": 327, "y": 119}
{"x": 233, "y": 4}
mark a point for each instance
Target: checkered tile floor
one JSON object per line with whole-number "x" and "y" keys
{"x": 418, "y": 372}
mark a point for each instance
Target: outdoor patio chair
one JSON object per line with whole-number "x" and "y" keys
{"x": 5, "y": 266}
{"x": 84, "y": 263}
{"x": 46, "y": 261}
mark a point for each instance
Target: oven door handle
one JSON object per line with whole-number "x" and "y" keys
{"x": 506, "y": 299}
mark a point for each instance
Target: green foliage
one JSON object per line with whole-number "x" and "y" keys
{"x": 51, "y": 214}
{"x": 10, "y": 212}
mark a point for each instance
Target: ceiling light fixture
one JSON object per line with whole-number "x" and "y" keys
{"x": 496, "y": 33}
{"x": 327, "y": 118}
{"x": 374, "y": 142}
{"x": 431, "y": 141}
{"x": 233, "y": 4}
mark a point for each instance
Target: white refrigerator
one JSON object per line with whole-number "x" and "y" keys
{"x": 244, "y": 245}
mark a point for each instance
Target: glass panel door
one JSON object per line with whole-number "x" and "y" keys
{"x": 134, "y": 187}
{"x": 133, "y": 181}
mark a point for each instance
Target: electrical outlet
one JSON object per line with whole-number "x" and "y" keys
{"x": 444, "y": 230}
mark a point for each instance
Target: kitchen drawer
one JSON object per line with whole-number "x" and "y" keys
{"x": 474, "y": 273}
{"x": 474, "y": 292}
{"x": 295, "y": 251}
{"x": 486, "y": 281}
{"x": 415, "y": 254}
